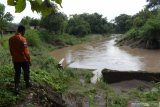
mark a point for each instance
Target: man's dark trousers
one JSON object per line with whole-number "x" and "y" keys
{"x": 25, "y": 66}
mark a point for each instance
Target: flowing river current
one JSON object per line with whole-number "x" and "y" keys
{"x": 103, "y": 53}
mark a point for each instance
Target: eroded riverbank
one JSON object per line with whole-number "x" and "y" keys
{"x": 103, "y": 53}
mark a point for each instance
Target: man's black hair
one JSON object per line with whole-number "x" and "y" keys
{"x": 21, "y": 29}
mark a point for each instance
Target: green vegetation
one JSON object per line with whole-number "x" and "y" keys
{"x": 44, "y": 71}
{"x": 88, "y": 23}
{"x": 149, "y": 96}
{"x": 55, "y": 30}
{"x": 144, "y": 30}
{"x": 45, "y": 7}
{"x": 55, "y": 22}
{"x": 5, "y": 18}
{"x": 45, "y": 74}
{"x": 123, "y": 23}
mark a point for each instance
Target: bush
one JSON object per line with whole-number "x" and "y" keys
{"x": 151, "y": 29}
{"x": 78, "y": 26}
{"x": 60, "y": 40}
{"x": 46, "y": 36}
{"x": 133, "y": 33}
{"x": 7, "y": 98}
{"x": 33, "y": 38}
{"x": 68, "y": 39}
{"x": 4, "y": 56}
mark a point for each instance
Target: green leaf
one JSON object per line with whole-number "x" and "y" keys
{"x": 20, "y": 5}
{"x": 46, "y": 11}
{"x": 35, "y": 6}
{"x": 11, "y": 2}
{"x": 58, "y": 2}
{"x": 39, "y": 1}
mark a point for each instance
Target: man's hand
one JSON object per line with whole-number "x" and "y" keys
{"x": 30, "y": 63}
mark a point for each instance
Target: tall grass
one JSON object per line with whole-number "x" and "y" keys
{"x": 44, "y": 69}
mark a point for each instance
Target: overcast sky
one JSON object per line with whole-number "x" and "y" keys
{"x": 108, "y": 8}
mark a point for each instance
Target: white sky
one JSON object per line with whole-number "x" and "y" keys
{"x": 108, "y": 8}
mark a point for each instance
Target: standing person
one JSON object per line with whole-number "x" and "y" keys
{"x": 20, "y": 57}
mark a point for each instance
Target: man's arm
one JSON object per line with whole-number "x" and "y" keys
{"x": 26, "y": 50}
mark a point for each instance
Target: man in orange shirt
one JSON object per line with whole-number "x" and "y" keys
{"x": 20, "y": 57}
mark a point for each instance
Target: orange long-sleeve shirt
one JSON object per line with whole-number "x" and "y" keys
{"x": 18, "y": 48}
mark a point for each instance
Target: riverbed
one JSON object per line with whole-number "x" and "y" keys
{"x": 103, "y": 53}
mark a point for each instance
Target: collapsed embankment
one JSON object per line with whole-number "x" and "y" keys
{"x": 79, "y": 93}
{"x": 138, "y": 42}
{"x": 112, "y": 76}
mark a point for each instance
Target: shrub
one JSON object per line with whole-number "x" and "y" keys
{"x": 46, "y": 36}
{"x": 7, "y": 98}
{"x": 33, "y": 38}
{"x": 151, "y": 29}
{"x": 78, "y": 26}
{"x": 4, "y": 56}
{"x": 133, "y": 33}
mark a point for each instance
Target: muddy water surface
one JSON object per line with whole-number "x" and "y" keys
{"x": 100, "y": 54}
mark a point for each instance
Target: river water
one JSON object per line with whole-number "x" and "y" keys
{"x": 103, "y": 53}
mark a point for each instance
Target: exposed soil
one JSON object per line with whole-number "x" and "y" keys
{"x": 41, "y": 96}
{"x": 140, "y": 43}
{"x": 45, "y": 96}
{"x": 123, "y": 87}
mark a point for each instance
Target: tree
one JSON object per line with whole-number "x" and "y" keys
{"x": 41, "y": 6}
{"x": 5, "y": 18}
{"x": 140, "y": 18}
{"x": 123, "y": 23}
{"x": 78, "y": 26}
{"x": 153, "y": 4}
{"x": 26, "y": 21}
{"x": 34, "y": 22}
{"x": 55, "y": 22}
{"x": 97, "y": 23}
{"x": 89, "y": 23}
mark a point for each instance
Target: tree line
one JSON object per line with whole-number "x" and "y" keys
{"x": 144, "y": 24}
{"x": 59, "y": 23}
{"x": 78, "y": 25}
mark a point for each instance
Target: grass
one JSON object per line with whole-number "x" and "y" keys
{"x": 44, "y": 69}
{"x": 44, "y": 72}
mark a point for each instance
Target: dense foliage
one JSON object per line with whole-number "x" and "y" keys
{"x": 123, "y": 23}
{"x": 55, "y": 22}
{"x": 153, "y": 3}
{"x": 5, "y": 18}
{"x": 145, "y": 27}
{"x": 97, "y": 23}
{"x": 41, "y": 6}
{"x": 28, "y": 22}
{"x": 44, "y": 71}
{"x": 78, "y": 26}
{"x": 88, "y": 23}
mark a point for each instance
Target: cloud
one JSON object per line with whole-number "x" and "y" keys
{"x": 108, "y": 8}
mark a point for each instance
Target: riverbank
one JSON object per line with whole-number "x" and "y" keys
{"x": 105, "y": 54}
{"x": 132, "y": 42}
{"x": 51, "y": 86}
{"x": 59, "y": 87}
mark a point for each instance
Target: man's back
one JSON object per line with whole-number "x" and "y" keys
{"x": 20, "y": 56}
{"x": 18, "y": 48}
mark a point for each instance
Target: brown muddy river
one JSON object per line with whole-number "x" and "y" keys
{"x": 102, "y": 54}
